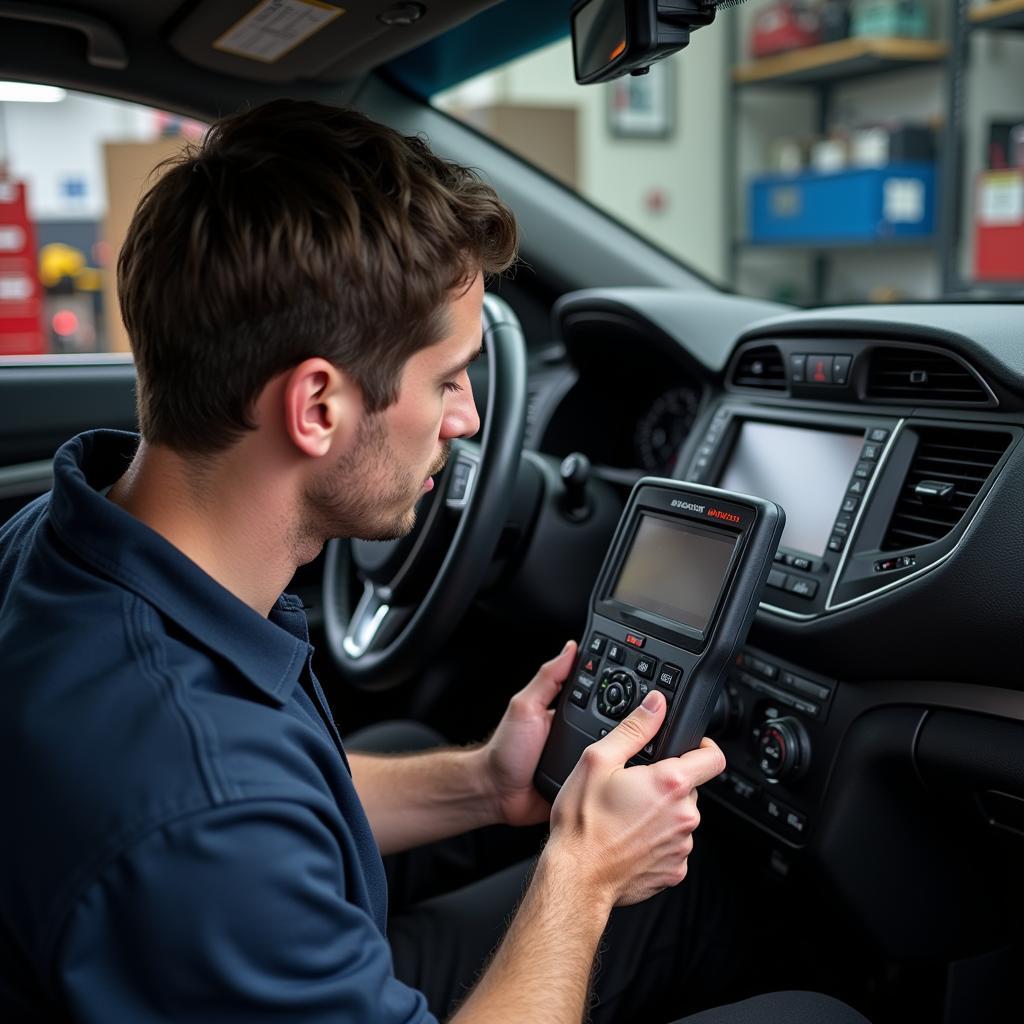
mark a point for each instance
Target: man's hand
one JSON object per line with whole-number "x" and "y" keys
{"x": 512, "y": 752}
{"x": 618, "y": 835}
{"x": 630, "y": 829}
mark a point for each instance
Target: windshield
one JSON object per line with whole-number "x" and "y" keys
{"x": 791, "y": 152}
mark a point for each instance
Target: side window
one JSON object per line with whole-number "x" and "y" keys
{"x": 72, "y": 168}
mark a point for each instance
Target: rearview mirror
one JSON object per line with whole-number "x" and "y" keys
{"x": 612, "y": 38}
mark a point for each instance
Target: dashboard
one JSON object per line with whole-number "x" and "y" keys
{"x": 893, "y": 616}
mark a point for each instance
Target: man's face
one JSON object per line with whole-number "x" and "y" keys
{"x": 371, "y": 492}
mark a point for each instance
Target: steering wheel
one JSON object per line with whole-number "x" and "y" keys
{"x": 416, "y": 589}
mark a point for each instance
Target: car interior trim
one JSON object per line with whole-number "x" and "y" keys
{"x": 862, "y": 508}
{"x": 26, "y": 479}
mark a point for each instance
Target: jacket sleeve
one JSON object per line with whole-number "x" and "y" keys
{"x": 237, "y": 913}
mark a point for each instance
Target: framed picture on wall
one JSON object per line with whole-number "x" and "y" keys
{"x": 643, "y": 106}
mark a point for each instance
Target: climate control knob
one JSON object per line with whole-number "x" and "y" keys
{"x": 783, "y": 749}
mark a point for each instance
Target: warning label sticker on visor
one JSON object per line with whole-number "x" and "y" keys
{"x": 275, "y": 27}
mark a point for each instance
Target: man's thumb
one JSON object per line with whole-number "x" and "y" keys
{"x": 637, "y": 729}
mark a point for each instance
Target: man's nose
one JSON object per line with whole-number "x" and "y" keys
{"x": 461, "y": 418}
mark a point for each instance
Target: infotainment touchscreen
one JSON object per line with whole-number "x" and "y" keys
{"x": 676, "y": 570}
{"x": 805, "y": 471}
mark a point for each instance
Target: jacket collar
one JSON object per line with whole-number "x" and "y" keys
{"x": 270, "y": 652}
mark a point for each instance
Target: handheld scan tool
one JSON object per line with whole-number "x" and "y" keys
{"x": 672, "y": 604}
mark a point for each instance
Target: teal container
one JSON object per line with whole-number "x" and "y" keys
{"x": 903, "y": 19}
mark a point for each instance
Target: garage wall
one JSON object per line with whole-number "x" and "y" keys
{"x": 670, "y": 190}
{"x": 58, "y": 149}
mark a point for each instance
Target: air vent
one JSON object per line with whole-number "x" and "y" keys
{"x": 928, "y": 508}
{"x": 923, "y": 375}
{"x": 760, "y": 367}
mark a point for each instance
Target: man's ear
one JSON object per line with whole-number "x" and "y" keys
{"x": 322, "y": 405}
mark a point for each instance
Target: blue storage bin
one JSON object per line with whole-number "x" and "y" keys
{"x": 858, "y": 205}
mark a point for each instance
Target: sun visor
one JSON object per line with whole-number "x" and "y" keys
{"x": 285, "y": 40}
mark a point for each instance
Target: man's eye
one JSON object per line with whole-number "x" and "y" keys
{"x": 451, "y": 385}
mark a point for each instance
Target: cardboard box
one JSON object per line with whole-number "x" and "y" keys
{"x": 129, "y": 172}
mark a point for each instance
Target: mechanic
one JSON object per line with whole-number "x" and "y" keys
{"x": 186, "y": 839}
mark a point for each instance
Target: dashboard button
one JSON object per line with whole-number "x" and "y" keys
{"x": 843, "y": 521}
{"x": 864, "y": 470}
{"x": 589, "y": 665}
{"x": 761, "y": 667}
{"x": 856, "y": 487}
{"x": 805, "y": 686}
{"x": 799, "y": 562}
{"x": 616, "y": 653}
{"x": 777, "y": 578}
{"x": 802, "y": 587}
{"x": 797, "y": 366}
{"x": 669, "y": 676}
{"x": 850, "y": 504}
{"x": 819, "y": 369}
{"x": 809, "y": 709}
{"x": 795, "y": 821}
{"x": 870, "y": 451}
{"x": 841, "y": 369}
{"x": 743, "y": 789}
{"x": 645, "y": 666}
{"x": 596, "y": 645}
{"x": 580, "y": 692}
{"x": 877, "y": 434}
{"x": 837, "y": 542}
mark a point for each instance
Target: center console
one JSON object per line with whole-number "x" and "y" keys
{"x": 875, "y": 498}
{"x": 773, "y": 724}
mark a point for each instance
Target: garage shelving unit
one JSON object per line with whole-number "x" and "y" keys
{"x": 1000, "y": 14}
{"x": 995, "y": 16}
{"x": 822, "y": 68}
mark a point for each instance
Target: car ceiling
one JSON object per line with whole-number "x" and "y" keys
{"x": 163, "y": 50}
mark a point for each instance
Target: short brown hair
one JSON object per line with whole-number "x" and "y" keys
{"x": 294, "y": 230}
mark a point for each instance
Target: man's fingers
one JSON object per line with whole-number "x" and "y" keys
{"x": 700, "y": 765}
{"x": 636, "y": 730}
{"x": 544, "y": 686}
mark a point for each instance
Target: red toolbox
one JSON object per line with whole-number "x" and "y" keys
{"x": 782, "y": 26}
{"x": 999, "y": 226}
{"x": 21, "y": 300}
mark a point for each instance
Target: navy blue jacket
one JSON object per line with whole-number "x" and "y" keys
{"x": 182, "y": 840}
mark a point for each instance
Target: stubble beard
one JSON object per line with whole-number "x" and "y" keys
{"x": 366, "y": 496}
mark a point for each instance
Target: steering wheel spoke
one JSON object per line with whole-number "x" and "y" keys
{"x": 369, "y": 615}
{"x": 461, "y": 474}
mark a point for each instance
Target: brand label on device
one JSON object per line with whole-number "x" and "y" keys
{"x": 711, "y": 513}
